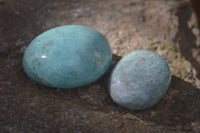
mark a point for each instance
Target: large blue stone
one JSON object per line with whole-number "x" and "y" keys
{"x": 67, "y": 57}
{"x": 139, "y": 80}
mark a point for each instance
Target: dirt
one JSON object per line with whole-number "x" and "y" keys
{"x": 167, "y": 27}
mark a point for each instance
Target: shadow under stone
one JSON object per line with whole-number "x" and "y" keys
{"x": 103, "y": 81}
{"x": 179, "y": 107}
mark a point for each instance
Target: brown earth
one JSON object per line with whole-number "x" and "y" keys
{"x": 167, "y": 27}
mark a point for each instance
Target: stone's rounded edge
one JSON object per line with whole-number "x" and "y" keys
{"x": 93, "y": 80}
{"x": 33, "y": 75}
{"x": 68, "y": 26}
{"x": 43, "y": 81}
{"x": 125, "y": 104}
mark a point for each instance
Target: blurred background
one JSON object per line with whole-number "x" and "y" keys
{"x": 168, "y": 27}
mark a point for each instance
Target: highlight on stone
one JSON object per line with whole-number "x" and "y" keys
{"x": 139, "y": 80}
{"x": 67, "y": 57}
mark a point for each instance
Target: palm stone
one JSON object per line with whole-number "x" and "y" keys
{"x": 67, "y": 57}
{"x": 139, "y": 80}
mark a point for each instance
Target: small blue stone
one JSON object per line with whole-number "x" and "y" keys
{"x": 67, "y": 57}
{"x": 139, "y": 80}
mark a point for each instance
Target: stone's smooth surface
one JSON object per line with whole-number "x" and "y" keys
{"x": 67, "y": 57}
{"x": 139, "y": 80}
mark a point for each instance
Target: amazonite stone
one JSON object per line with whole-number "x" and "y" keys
{"x": 67, "y": 57}
{"x": 139, "y": 80}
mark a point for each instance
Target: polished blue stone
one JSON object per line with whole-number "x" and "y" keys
{"x": 67, "y": 57}
{"x": 139, "y": 80}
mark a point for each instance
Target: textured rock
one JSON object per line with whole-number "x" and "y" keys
{"x": 139, "y": 80}
{"x": 67, "y": 57}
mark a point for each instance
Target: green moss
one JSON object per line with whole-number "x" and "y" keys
{"x": 177, "y": 63}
